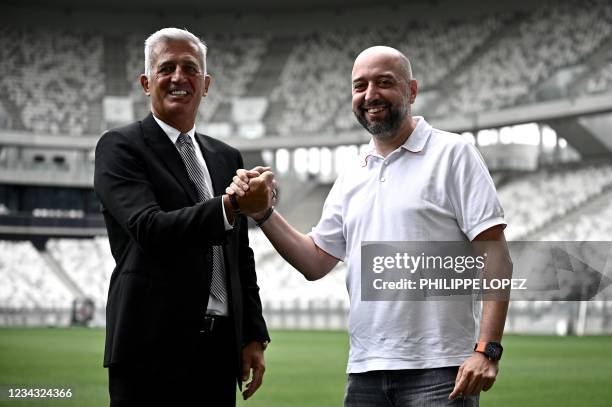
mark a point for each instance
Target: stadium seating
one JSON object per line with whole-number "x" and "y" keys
{"x": 548, "y": 39}
{"x": 53, "y": 83}
{"x": 283, "y": 286}
{"x": 588, "y": 226}
{"x": 27, "y": 283}
{"x": 315, "y": 83}
{"x": 52, "y": 80}
{"x": 531, "y": 202}
{"x": 601, "y": 81}
{"x": 87, "y": 262}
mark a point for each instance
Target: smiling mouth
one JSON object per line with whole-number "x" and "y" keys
{"x": 178, "y": 93}
{"x": 375, "y": 109}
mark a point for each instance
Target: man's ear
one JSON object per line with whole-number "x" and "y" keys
{"x": 413, "y": 90}
{"x": 144, "y": 82}
{"x": 206, "y": 84}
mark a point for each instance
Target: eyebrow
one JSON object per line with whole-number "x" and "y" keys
{"x": 183, "y": 60}
{"x": 378, "y": 77}
{"x": 174, "y": 62}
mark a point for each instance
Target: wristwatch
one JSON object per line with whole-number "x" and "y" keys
{"x": 234, "y": 202}
{"x": 492, "y": 350}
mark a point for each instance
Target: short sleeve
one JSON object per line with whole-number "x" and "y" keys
{"x": 328, "y": 234}
{"x": 472, "y": 193}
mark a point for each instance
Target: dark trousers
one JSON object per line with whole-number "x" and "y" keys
{"x": 209, "y": 379}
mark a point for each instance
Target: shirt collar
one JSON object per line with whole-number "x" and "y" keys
{"x": 173, "y": 133}
{"x": 414, "y": 143}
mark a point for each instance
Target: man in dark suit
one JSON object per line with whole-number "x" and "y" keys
{"x": 184, "y": 317}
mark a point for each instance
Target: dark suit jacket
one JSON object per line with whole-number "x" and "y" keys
{"x": 161, "y": 238}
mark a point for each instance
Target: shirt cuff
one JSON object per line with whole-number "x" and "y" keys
{"x": 225, "y": 221}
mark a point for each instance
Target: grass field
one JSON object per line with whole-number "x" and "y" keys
{"x": 307, "y": 369}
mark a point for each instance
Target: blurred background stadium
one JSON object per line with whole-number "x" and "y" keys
{"x": 530, "y": 83}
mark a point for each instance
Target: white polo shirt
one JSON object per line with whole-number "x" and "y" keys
{"x": 435, "y": 187}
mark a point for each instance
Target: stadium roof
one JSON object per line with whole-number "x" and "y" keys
{"x": 190, "y": 6}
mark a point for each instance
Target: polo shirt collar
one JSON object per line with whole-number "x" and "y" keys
{"x": 414, "y": 143}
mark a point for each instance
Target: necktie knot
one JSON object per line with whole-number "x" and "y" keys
{"x": 183, "y": 139}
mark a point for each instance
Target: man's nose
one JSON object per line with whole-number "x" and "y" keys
{"x": 371, "y": 93}
{"x": 178, "y": 74}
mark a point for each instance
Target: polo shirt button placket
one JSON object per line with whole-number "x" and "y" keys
{"x": 382, "y": 170}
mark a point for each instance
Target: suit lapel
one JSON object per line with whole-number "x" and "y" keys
{"x": 161, "y": 145}
{"x": 215, "y": 163}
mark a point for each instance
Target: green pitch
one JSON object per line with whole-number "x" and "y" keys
{"x": 306, "y": 368}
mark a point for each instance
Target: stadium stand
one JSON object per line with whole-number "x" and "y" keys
{"x": 54, "y": 84}
{"x": 323, "y": 61}
{"x": 88, "y": 262}
{"x": 550, "y": 38}
{"x": 27, "y": 282}
{"x": 287, "y": 296}
{"x": 601, "y": 80}
{"x": 592, "y": 223}
{"x": 52, "y": 80}
{"x": 473, "y": 64}
{"x": 533, "y": 201}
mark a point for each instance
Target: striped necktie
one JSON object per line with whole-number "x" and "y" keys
{"x": 196, "y": 175}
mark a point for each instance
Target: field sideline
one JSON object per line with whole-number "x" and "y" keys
{"x": 306, "y": 368}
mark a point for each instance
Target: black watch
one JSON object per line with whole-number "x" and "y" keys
{"x": 492, "y": 350}
{"x": 234, "y": 203}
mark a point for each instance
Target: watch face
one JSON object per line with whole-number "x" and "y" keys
{"x": 493, "y": 351}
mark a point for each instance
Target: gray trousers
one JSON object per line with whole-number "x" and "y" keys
{"x": 404, "y": 388}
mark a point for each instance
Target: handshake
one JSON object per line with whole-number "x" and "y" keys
{"x": 254, "y": 192}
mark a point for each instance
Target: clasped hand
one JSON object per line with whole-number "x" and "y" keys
{"x": 255, "y": 190}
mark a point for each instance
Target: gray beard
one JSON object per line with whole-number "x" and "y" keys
{"x": 384, "y": 129}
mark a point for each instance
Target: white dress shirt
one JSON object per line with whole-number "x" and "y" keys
{"x": 214, "y": 306}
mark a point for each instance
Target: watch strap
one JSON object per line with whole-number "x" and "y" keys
{"x": 492, "y": 350}
{"x": 266, "y": 216}
{"x": 234, "y": 203}
{"x": 480, "y": 347}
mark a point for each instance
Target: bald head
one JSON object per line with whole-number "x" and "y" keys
{"x": 381, "y": 53}
{"x": 383, "y": 90}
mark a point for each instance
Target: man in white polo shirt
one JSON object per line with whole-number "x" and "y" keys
{"x": 415, "y": 183}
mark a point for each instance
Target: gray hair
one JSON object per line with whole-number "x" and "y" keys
{"x": 172, "y": 34}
